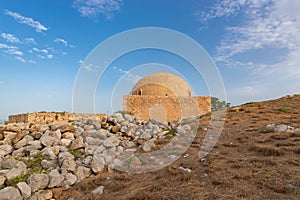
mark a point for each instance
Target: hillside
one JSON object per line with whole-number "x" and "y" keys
{"x": 248, "y": 162}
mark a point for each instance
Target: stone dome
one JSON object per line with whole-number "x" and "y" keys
{"x": 162, "y": 84}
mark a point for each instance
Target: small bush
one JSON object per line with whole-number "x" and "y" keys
{"x": 32, "y": 162}
{"x": 76, "y": 153}
{"x": 14, "y": 181}
{"x": 171, "y": 132}
{"x": 284, "y": 110}
{"x": 200, "y": 128}
{"x": 24, "y": 176}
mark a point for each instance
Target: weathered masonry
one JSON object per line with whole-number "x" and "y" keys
{"x": 164, "y": 97}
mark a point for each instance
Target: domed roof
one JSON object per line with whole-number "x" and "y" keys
{"x": 162, "y": 84}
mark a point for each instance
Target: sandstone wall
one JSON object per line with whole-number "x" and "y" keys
{"x": 166, "y": 108}
{"x": 49, "y": 117}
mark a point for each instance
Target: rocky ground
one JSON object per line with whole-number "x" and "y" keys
{"x": 256, "y": 157}
{"x": 39, "y": 160}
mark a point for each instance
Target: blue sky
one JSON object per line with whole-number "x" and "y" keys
{"x": 254, "y": 43}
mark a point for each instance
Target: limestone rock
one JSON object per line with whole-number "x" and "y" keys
{"x": 93, "y": 141}
{"x": 77, "y": 144}
{"x": 99, "y": 150}
{"x": 9, "y": 137}
{"x": 65, "y": 128}
{"x": 24, "y": 141}
{"x": 47, "y": 140}
{"x": 8, "y": 163}
{"x": 5, "y": 149}
{"x": 147, "y": 146}
{"x": 2, "y": 181}
{"x": 97, "y": 164}
{"x": 63, "y": 156}
{"x": 48, "y": 153}
{"x": 12, "y": 128}
{"x": 49, "y": 164}
{"x": 118, "y": 117}
{"x": 55, "y": 179}
{"x": 68, "y": 135}
{"x": 66, "y": 142}
{"x": 36, "y": 135}
{"x": 135, "y": 163}
{"x": 10, "y": 193}
{"x": 87, "y": 160}
{"x": 19, "y": 137}
{"x": 55, "y": 134}
{"x": 280, "y": 128}
{"x": 38, "y": 181}
{"x": 17, "y": 170}
{"x": 82, "y": 173}
{"x": 100, "y": 134}
{"x": 68, "y": 165}
{"x": 56, "y": 192}
{"x": 115, "y": 128}
{"x": 128, "y": 117}
{"x": 70, "y": 179}
{"x": 44, "y": 194}
{"x": 128, "y": 144}
{"x": 112, "y": 141}
{"x": 98, "y": 190}
{"x": 33, "y": 145}
{"x": 24, "y": 189}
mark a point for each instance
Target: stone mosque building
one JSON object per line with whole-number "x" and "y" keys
{"x": 164, "y": 97}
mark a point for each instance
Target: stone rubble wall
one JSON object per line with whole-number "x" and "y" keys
{"x": 49, "y": 117}
{"x": 66, "y": 153}
{"x": 166, "y": 108}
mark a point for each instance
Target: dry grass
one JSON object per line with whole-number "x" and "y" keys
{"x": 248, "y": 162}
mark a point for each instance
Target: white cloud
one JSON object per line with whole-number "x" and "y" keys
{"x": 10, "y": 38}
{"x": 19, "y": 58}
{"x": 30, "y": 41}
{"x": 129, "y": 76}
{"x": 265, "y": 24}
{"x": 64, "y": 42}
{"x": 14, "y": 52}
{"x": 35, "y": 49}
{"x": 220, "y": 9}
{"x": 92, "y": 8}
{"x": 44, "y": 51}
{"x": 90, "y": 67}
{"x": 31, "y": 61}
{"x": 26, "y": 20}
{"x": 59, "y": 40}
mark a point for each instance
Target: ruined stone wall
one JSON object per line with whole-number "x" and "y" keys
{"x": 49, "y": 117}
{"x": 166, "y": 108}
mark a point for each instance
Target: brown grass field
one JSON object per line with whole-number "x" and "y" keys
{"x": 248, "y": 162}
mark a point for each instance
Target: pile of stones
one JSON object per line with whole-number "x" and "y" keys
{"x": 37, "y": 158}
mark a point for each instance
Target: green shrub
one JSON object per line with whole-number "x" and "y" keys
{"x": 32, "y": 162}
{"x": 23, "y": 177}
{"x": 284, "y": 110}
{"x": 171, "y": 132}
{"x": 76, "y": 153}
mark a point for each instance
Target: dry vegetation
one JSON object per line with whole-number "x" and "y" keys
{"x": 248, "y": 162}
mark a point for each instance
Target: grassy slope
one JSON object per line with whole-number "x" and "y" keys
{"x": 246, "y": 163}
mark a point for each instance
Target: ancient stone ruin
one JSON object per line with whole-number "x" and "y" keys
{"x": 164, "y": 97}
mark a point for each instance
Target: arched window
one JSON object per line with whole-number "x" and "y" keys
{"x": 140, "y": 92}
